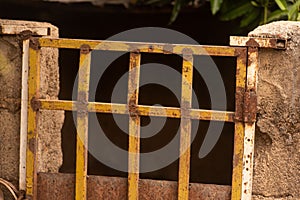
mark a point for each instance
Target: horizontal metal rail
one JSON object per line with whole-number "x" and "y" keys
{"x": 143, "y": 110}
{"x": 142, "y": 47}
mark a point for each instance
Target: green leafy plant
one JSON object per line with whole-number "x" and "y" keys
{"x": 251, "y": 13}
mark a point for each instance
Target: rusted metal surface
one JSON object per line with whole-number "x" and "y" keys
{"x": 134, "y": 127}
{"x": 250, "y": 106}
{"x": 274, "y": 43}
{"x": 34, "y": 43}
{"x": 239, "y": 104}
{"x": 250, "y": 118}
{"x": 56, "y": 186}
{"x": 85, "y": 49}
{"x": 25, "y": 35}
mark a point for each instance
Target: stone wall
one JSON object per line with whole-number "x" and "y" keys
{"x": 277, "y": 143}
{"x": 12, "y": 34}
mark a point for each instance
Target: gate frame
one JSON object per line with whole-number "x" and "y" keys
{"x": 244, "y": 116}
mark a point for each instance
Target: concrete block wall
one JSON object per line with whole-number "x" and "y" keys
{"x": 277, "y": 144}
{"x": 12, "y": 34}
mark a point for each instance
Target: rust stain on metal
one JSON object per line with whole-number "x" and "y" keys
{"x": 132, "y": 107}
{"x": 151, "y": 49}
{"x": 85, "y": 49}
{"x": 239, "y": 104}
{"x": 25, "y": 35}
{"x": 134, "y": 48}
{"x": 236, "y": 159}
{"x": 187, "y": 51}
{"x": 250, "y": 106}
{"x": 242, "y": 54}
{"x": 56, "y": 186}
{"x": 31, "y": 145}
{"x": 35, "y": 104}
{"x": 34, "y": 43}
{"x": 252, "y": 43}
{"x": 168, "y": 49}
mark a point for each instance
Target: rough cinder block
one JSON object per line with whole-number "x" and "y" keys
{"x": 49, "y": 146}
{"x": 277, "y": 143}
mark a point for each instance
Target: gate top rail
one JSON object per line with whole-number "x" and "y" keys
{"x": 141, "y": 47}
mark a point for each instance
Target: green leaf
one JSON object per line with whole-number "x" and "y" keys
{"x": 215, "y": 6}
{"x": 254, "y": 3}
{"x": 281, "y": 4}
{"x": 252, "y": 15}
{"x": 237, "y": 11}
{"x": 293, "y": 11}
{"x": 276, "y": 15}
{"x": 175, "y": 11}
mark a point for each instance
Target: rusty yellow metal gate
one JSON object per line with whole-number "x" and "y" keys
{"x": 243, "y": 117}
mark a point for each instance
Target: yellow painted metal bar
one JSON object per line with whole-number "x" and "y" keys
{"x": 185, "y": 128}
{"x": 134, "y": 127}
{"x": 236, "y": 189}
{"x": 143, "y": 110}
{"x": 82, "y": 126}
{"x": 211, "y": 115}
{"x": 138, "y": 46}
{"x": 32, "y": 136}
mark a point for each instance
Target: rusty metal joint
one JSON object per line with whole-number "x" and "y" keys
{"x": 34, "y": 43}
{"x": 133, "y": 110}
{"x": 168, "y": 49}
{"x": 35, "y": 104}
{"x": 273, "y": 43}
{"x": 187, "y": 52}
{"x": 85, "y": 49}
{"x": 250, "y": 106}
{"x": 132, "y": 107}
{"x": 81, "y": 106}
{"x": 25, "y": 35}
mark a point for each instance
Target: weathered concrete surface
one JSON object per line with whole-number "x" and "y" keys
{"x": 277, "y": 143}
{"x": 58, "y": 186}
{"x": 49, "y": 151}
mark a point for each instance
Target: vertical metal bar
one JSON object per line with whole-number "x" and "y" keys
{"x": 33, "y": 115}
{"x": 250, "y": 125}
{"x": 134, "y": 127}
{"x": 185, "y": 128}
{"x": 239, "y": 126}
{"x": 24, "y": 110}
{"x": 82, "y": 124}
